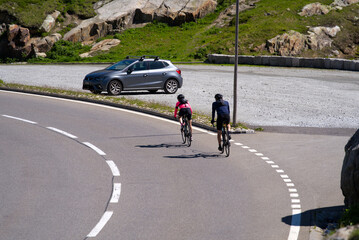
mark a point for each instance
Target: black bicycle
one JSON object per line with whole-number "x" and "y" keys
{"x": 185, "y": 131}
{"x": 225, "y": 143}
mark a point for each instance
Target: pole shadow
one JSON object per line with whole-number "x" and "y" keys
{"x": 320, "y": 217}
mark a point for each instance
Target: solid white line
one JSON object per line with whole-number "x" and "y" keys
{"x": 295, "y": 225}
{"x": 113, "y": 167}
{"x": 99, "y": 226}
{"x": 211, "y": 133}
{"x": 62, "y": 132}
{"x": 93, "y": 147}
{"x": 20, "y": 119}
{"x": 116, "y": 193}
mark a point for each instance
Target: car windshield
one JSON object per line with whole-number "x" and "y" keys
{"x": 121, "y": 65}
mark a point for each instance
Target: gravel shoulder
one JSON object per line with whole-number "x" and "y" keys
{"x": 267, "y": 96}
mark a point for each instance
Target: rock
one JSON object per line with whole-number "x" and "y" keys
{"x": 104, "y": 45}
{"x": 118, "y": 15}
{"x": 314, "y": 9}
{"x": 321, "y": 37}
{"x": 45, "y": 44}
{"x": 49, "y": 22}
{"x": 344, "y": 3}
{"x": 289, "y": 44}
{"x": 18, "y": 42}
{"x": 350, "y": 171}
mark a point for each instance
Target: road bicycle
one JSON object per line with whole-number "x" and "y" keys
{"x": 185, "y": 131}
{"x": 225, "y": 143}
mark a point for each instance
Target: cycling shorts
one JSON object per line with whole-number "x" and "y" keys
{"x": 185, "y": 111}
{"x": 222, "y": 119}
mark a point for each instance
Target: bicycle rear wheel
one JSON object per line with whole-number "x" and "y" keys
{"x": 223, "y": 144}
{"x": 183, "y": 134}
{"x": 189, "y": 140}
{"x": 227, "y": 146}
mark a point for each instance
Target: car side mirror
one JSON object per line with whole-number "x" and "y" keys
{"x": 129, "y": 71}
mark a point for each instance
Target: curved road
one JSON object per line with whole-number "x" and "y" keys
{"x": 58, "y": 173}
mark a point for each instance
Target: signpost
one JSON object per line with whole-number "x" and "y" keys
{"x": 235, "y": 68}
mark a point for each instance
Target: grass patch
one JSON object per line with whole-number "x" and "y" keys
{"x": 350, "y": 216}
{"x": 147, "y": 105}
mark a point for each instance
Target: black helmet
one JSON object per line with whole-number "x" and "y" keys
{"x": 218, "y": 96}
{"x": 179, "y": 97}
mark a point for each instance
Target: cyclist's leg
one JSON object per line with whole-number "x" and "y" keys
{"x": 219, "y": 132}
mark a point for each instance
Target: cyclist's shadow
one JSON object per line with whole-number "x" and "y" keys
{"x": 197, "y": 155}
{"x": 163, "y": 145}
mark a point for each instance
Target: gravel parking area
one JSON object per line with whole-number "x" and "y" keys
{"x": 267, "y": 96}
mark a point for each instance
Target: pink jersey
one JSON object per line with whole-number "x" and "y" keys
{"x": 180, "y": 106}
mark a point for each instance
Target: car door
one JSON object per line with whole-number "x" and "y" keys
{"x": 156, "y": 74}
{"x": 136, "y": 77}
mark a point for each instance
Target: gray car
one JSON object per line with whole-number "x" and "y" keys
{"x": 134, "y": 74}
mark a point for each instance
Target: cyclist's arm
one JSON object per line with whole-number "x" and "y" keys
{"x": 176, "y": 109}
{"x": 213, "y": 110}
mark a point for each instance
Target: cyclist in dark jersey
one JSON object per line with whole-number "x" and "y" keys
{"x": 222, "y": 108}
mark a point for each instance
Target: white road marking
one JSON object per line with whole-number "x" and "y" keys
{"x": 96, "y": 149}
{"x": 116, "y": 193}
{"x": 294, "y": 195}
{"x": 275, "y": 166}
{"x": 62, "y": 132}
{"x": 292, "y": 190}
{"x": 238, "y": 144}
{"x": 269, "y": 162}
{"x": 265, "y": 158}
{"x": 280, "y": 171}
{"x": 290, "y": 184}
{"x": 252, "y": 150}
{"x": 284, "y": 176}
{"x": 19, "y": 119}
{"x": 295, "y": 225}
{"x": 113, "y": 167}
{"x": 259, "y": 154}
{"x": 245, "y": 147}
{"x": 295, "y": 200}
{"x": 105, "y": 218}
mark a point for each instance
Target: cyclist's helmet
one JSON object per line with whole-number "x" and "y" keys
{"x": 179, "y": 97}
{"x": 218, "y": 96}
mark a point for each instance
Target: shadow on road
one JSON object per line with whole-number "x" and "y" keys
{"x": 197, "y": 155}
{"x": 319, "y": 217}
{"x": 163, "y": 145}
{"x": 136, "y": 93}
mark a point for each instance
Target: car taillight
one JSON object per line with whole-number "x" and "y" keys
{"x": 178, "y": 71}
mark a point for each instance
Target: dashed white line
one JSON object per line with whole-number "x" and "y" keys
{"x": 116, "y": 193}
{"x": 19, "y": 119}
{"x": 96, "y": 149}
{"x": 113, "y": 167}
{"x": 252, "y": 150}
{"x": 105, "y": 218}
{"x": 62, "y": 132}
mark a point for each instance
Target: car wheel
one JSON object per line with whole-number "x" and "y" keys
{"x": 114, "y": 87}
{"x": 171, "y": 86}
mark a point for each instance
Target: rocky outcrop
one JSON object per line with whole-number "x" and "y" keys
{"x": 350, "y": 171}
{"x": 118, "y": 15}
{"x": 314, "y": 9}
{"x": 294, "y": 43}
{"x": 49, "y": 22}
{"x": 320, "y": 9}
{"x": 102, "y": 46}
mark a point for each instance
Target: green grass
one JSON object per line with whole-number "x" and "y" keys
{"x": 193, "y": 41}
{"x": 32, "y": 13}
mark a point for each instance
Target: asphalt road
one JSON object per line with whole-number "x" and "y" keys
{"x": 57, "y": 187}
{"x": 268, "y": 97}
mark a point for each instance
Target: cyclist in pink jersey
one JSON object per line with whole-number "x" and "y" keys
{"x": 185, "y": 109}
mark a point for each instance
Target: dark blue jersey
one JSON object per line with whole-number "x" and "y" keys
{"x": 222, "y": 108}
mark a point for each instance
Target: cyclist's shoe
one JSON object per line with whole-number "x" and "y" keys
{"x": 220, "y": 149}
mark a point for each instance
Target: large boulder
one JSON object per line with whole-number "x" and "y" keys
{"x": 18, "y": 39}
{"x": 118, "y": 15}
{"x": 314, "y": 9}
{"x": 350, "y": 171}
{"x": 289, "y": 44}
{"x": 50, "y": 21}
{"x": 321, "y": 37}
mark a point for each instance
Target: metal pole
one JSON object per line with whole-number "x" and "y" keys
{"x": 235, "y": 68}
